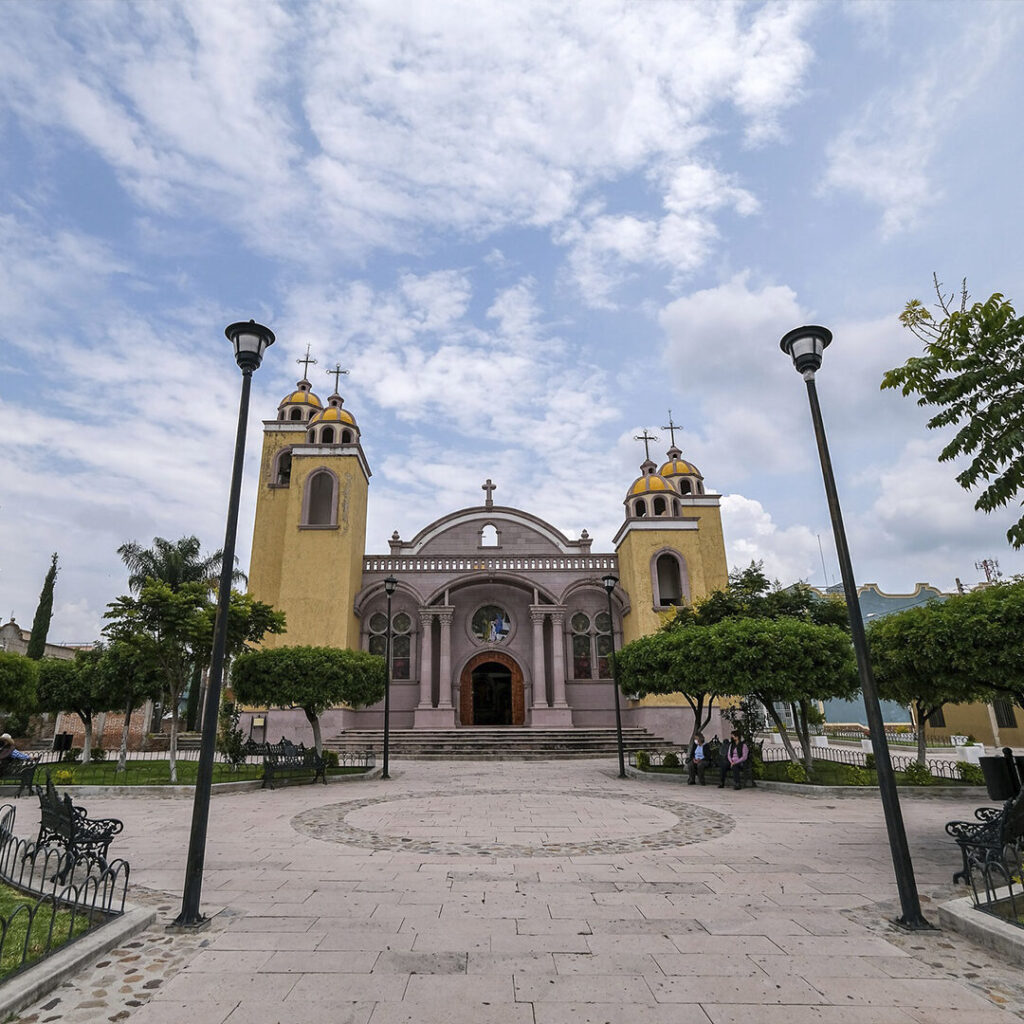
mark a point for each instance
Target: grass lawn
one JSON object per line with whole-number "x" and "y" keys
{"x": 156, "y": 773}
{"x": 826, "y": 773}
{"x": 14, "y": 941}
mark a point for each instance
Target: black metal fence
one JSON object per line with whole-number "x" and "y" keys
{"x": 54, "y": 912}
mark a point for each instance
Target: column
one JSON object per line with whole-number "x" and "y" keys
{"x": 445, "y": 668}
{"x": 426, "y": 657}
{"x": 558, "y": 658}
{"x": 540, "y": 696}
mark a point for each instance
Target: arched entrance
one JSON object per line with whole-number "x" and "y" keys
{"x": 491, "y": 691}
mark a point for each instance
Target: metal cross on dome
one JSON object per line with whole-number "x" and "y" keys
{"x": 672, "y": 428}
{"x": 646, "y": 438}
{"x": 490, "y": 489}
{"x": 306, "y": 362}
{"x": 336, "y": 373}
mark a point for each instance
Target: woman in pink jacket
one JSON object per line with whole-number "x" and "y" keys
{"x": 734, "y": 757}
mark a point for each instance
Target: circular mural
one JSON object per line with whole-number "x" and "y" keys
{"x": 491, "y": 624}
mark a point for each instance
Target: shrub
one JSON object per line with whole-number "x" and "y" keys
{"x": 331, "y": 758}
{"x": 230, "y": 739}
{"x": 72, "y": 755}
{"x": 918, "y": 774}
{"x": 796, "y": 772}
{"x": 971, "y": 773}
{"x": 670, "y": 760}
{"x": 971, "y": 738}
{"x": 64, "y": 776}
{"x": 97, "y": 754}
{"x": 758, "y": 768}
{"x": 869, "y": 762}
{"x": 852, "y": 775}
{"x": 643, "y": 760}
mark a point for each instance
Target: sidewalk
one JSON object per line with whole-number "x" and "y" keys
{"x": 539, "y": 893}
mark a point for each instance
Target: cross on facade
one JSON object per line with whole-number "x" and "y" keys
{"x": 336, "y": 373}
{"x": 306, "y": 363}
{"x": 490, "y": 489}
{"x": 672, "y": 428}
{"x": 646, "y": 438}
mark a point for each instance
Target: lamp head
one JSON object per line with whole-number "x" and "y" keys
{"x": 251, "y": 340}
{"x": 390, "y": 585}
{"x": 804, "y": 346}
{"x": 609, "y": 582}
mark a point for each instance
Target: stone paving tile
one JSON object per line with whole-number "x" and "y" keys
{"x": 618, "y": 1013}
{"x": 715, "y": 989}
{"x": 536, "y": 988}
{"x": 329, "y": 1010}
{"x": 744, "y": 1013}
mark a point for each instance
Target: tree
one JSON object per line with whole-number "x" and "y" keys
{"x": 312, "y": 678}
{"x": 176, "y": 563}
{"x": 910, "y": 653}
{"x": 76, "y": 685}
{"x": 131, "y": 677}
{"x": 973, "y": 371}
{"x": 17, "y": 683}
{"x": 44, "y": 613}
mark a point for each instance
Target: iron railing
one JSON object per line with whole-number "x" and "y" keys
{"x": 56, "y": 912}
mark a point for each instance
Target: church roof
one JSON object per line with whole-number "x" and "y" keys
{"x": 303, "y": 396}
{"x": 647, "y": 483}
{"x": 679, "y": 467}
{"x": 334, "y": 414}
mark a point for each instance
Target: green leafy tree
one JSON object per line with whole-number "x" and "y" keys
{"x": 972, "y": 370}
{"x": 911, "y": 655}
{"x": 131, "y": 677}
{"x": 77, "y": 685}
{"x": 44, "y": 613}
{"x": 312, "y": 678}
{"x": 17, "y": 683}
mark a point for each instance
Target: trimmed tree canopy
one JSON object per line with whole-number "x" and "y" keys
{"x": 44, "y": 613}
{"x": 17, "y": 682}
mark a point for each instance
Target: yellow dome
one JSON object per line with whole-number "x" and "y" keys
{"x": 301, "y": 398}
{"x": 679, "y": 467}
{"x": 649, "y": 483}
{"x": 333, "y": 415}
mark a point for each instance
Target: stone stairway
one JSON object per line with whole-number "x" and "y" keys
{"x": 481, "y": 743}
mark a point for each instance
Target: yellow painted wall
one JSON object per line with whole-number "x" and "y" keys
{"x": 312, "y": 575}
{"x": 975, "y": 720}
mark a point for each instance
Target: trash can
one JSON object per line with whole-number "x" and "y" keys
{"x": 999, "y": 778}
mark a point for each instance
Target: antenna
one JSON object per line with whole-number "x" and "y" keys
{"x": 990, "y": 567}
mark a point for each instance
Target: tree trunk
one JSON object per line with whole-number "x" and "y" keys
{"x": 192, "y": 706}
{"x": 122, "y": 753}
{"x": 786, "y": 742}
{"x": 922, "y": 743}
{"x": 314, "y": 721}
{"x": 803, "y": 731}
{"x": 173, "y": 751}
{"x": 87, "y": 742}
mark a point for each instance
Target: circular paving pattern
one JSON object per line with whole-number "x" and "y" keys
{"x": 513, "y": 824}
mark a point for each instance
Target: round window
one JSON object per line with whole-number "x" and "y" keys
{"x": 603, "y": 622}
{"x": 402, "y": 622}
{"x": 378, "y": 623}
{"x": 580, "y": 623}
{"x": 491, "y": 624}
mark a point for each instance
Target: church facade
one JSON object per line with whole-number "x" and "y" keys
{"x": 498, "y": 617}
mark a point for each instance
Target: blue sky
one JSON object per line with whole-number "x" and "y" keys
{"x": 528, "y": 230}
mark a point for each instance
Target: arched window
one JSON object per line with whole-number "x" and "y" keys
{"x": 489, "y": 536}
{"x": 675, "y": 503}
{"x": 685, "y": 487}
{"x": 283, "y": 471}
{"x": 312, "y": 437}
{"x": 401, "y": 641}
{"x": 327, "y": 435}
{"x": 670, "y": 584}
{"x": 346, "y": 437}
{"x": 296, "y": 414}
{"x": 591, "y": 645}
{"x": 659, "y": 506}
{"x": 320, "y": 505}
{"x": 581, "y": 663}
{"x": 640, "y": 508}
{"x": 603, "y": 640}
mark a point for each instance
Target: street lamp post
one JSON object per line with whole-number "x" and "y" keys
{"x": 609, "y": 582}
{"x": 390, "y": 586}
{"x": 805, "y": 346}
{"x": 250, "y": 341}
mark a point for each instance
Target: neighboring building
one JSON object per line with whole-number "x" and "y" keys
{"x": 15, "y": 639}
{"x": 499, "y": 618}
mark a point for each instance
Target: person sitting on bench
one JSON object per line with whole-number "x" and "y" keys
{"x": 9, "y": 752}
{"x": 698, "y": 762}
{"x": 734, "y": 758}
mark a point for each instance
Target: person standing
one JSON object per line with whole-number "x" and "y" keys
{"x": 734, "y": 758}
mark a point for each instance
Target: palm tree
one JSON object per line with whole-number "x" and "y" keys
{"x": 176, "y": 563}
{"x": 173, "y": 563}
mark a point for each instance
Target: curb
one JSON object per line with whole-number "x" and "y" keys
{"x": 24, "y": 989}
{"x": 962, "y": 916}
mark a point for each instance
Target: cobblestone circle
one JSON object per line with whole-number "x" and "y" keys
{"x": 539, "y": 826}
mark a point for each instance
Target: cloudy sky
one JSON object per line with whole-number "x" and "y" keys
{"x": 527, "y": 229}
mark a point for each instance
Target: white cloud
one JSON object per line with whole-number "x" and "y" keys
{"x": 789, "y": 554}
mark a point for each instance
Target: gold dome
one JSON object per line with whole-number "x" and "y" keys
{"x": 679, "y": 467}
{"x": 647, "y": 484}
{"x": 333, "y": 415}
{"x": 301, "y": 398}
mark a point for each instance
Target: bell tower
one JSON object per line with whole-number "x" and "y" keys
{"x": 670, "y": 547}
{"x": 309, "y": 538}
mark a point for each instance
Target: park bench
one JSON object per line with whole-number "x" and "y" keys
{"x": 993, "y": 840}
{"x": 22, "y": 772}
{"x": 747, "y": 770}
{"x": 287, "y": 760}
{"x": 63, "y": 824}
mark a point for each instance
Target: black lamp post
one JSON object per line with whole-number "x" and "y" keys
{"x": 805, "y": 346}
{"x": 609, "y": 582}
{"x": 250, "y": 340}
{"x": 390, "y": 586}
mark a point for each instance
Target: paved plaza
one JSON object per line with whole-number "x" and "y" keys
{"x": 538, "y": 893}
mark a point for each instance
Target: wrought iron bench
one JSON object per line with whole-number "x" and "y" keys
{"x": 291, "y": 761}
{"x": 23, "y": 772}
{"x": 747, "y": 768}
{"x": 63, "y": 824}
{"x": 993, "y": 840}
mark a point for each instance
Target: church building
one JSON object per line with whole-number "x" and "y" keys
{"x": 498, "y": 617}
